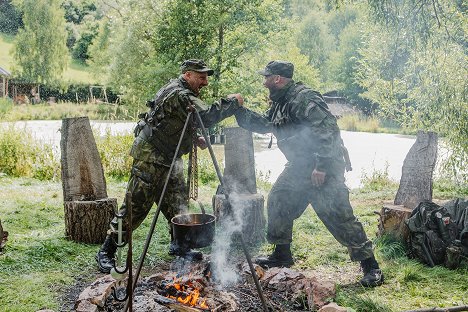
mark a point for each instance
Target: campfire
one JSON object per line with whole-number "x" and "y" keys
{"x": 184, "y": 290}
{"x": 193, "y": 288}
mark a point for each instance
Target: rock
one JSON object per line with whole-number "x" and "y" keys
{"x": 86, "y": 306}
{"x": 332, "y": 307}
{"x": 98, "y": 291}
{"x": 319, "y": 292}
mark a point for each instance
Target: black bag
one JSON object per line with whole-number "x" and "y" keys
{"x": 433, "y": 235}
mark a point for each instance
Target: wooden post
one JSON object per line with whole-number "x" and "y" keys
{"x": 239, "y": 175}
{"x": 88, "y": 211}
{"x": 418, "y": 166}
{"x": 415, "y": 186}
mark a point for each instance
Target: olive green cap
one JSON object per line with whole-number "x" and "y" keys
{"x": 196, "y": 65}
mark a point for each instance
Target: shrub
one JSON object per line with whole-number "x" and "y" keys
{"x": 114, "y": 151}
{"x": 21, "y": 155}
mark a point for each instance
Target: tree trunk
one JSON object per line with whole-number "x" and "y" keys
{"x": 82, "y": 173}
{"x": 418, "y": 166}
{"x": 88, "y": 221}
{"x": 88, "y": 211}
{"x": 247, "y": 209}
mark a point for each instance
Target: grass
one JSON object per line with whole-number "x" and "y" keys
{"x": 57, "y": 111}
{"x": 361, "y": 123}
{"x": 42, "y": 266}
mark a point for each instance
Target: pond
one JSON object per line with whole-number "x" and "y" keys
{"x": 368, "y": 152}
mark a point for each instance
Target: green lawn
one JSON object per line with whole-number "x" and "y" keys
{"x": 75, "y": 71}
{"x": 39, "y": 266}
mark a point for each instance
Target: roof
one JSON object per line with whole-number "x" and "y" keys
{"x": 4, "y": 72}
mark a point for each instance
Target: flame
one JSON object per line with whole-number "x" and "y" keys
{"x": 192, "y": 298}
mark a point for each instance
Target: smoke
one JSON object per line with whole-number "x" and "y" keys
{"x": 224, "y": 270}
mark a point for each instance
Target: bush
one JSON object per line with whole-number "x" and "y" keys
{"x": 357, "y": 122}
{"x": 5, "y": 106}
{"x": 21, "y": 155}
{"x": 114, "y": 151}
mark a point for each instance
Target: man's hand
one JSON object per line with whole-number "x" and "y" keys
{"x": 318, "y": 177}
{"x": 238, "y": 96}
{"x": 201, "y": 143}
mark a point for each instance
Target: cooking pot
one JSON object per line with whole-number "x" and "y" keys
{"x": 193, "y": 230}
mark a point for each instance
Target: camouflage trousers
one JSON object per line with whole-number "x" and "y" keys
{"x": 146, "y": 184}
{"x": 293, "y": 192}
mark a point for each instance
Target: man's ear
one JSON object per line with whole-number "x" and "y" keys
{"x": 277, "y": 79}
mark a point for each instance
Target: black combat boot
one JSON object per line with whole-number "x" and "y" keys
{"x": 105, "y": 256}
{"x": 281, "y": 257}
{"x": 373, "y": 276}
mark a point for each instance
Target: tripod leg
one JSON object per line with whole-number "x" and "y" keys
{"x": 156, "y": 215}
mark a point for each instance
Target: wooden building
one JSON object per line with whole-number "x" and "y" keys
{"x": 4, "y": 77}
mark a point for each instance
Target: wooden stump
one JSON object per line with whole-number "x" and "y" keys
{"x": 82, "y": 173}
{"x": 252, "y": 217}
{"x": 88, "y": 221}
{"x": 392, "y": 221}
{"x": 416, "y": 176}
{"x": 415, "y": 186}
{"x": 88, "y": 211}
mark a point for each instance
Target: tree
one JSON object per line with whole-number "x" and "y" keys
{"x": 415, "y": 72}
{"x": 40, "y": 47}
{"x": 158, "y": 36}
{"x": 10, "y": 17}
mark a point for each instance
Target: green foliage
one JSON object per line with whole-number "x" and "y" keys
{"x": 40, "y": 51}
{"x": 412, "y": 70}
{"x": 358, "y": 122}
{"x": 10, "y": 18}
{"x": 6, "y": 105}
{"x": 114, "y": 151}
{"x": 21, "y": 155}
{"x": 364, "y": 303}
{"x": 377, "y": 180}
{"x": 82, "y": 26}
{"x": 146, "y": 52}
{"x": 314, "y": 39}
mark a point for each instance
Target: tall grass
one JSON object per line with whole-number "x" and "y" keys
{"x": 22, "y": 156}
{"x": 57, "y": 111}
{"x": 358, "y": 122}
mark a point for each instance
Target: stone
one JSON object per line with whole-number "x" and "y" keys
{"x": 98, "y": 291}
{"x": 332, "y": 307}
{"x": 86, "y": 306}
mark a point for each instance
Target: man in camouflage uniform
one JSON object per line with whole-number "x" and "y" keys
{"x": 157, "y": 136}
{"x": 309, "y": 137}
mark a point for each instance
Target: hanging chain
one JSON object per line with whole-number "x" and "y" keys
{"x": 193, "y": 164}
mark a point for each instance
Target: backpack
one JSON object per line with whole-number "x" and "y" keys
{"x": 433, "y": 235}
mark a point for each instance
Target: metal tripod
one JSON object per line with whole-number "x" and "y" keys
{"x": 192, "y": 110}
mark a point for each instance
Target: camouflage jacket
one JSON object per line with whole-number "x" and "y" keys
{"x": 159, "y": 131}
{"x": 306, "y": 131}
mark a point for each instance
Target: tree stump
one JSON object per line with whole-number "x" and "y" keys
{"x": 415, "y": 186}
{"x": 392, "y": 221}
{"x": 88, "y": 221}
{"x": 247, "y": 209}
{"x": 88, "y": 211}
